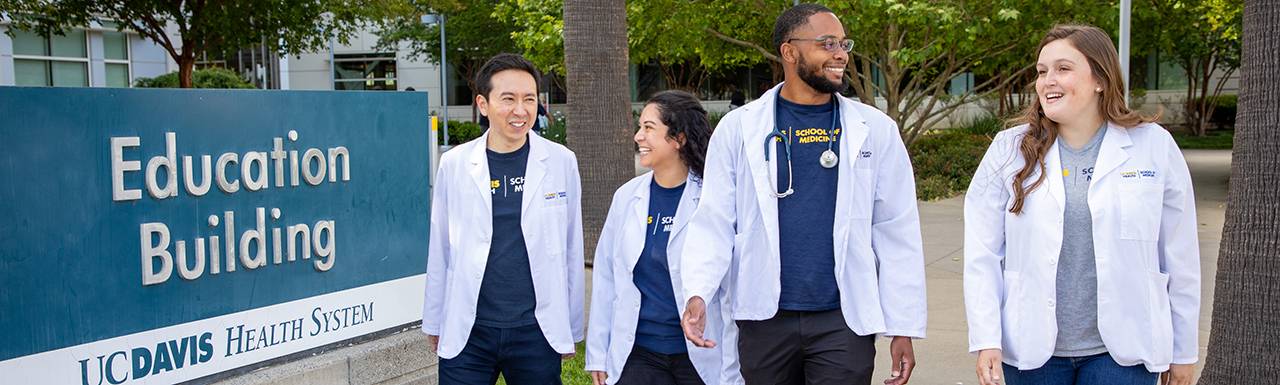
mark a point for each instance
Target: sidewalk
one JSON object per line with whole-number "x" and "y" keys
{"x": 943, "y": 358}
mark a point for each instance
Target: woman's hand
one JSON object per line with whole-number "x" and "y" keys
{"x": 989, "y": 369}
{"x": 597, "y": 377}
{"x": 1178, "y": 374}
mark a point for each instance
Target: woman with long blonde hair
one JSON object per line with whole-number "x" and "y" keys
{"x": 1081, "y": 258}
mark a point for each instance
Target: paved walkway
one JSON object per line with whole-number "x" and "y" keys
{"x": 943, "y": 357}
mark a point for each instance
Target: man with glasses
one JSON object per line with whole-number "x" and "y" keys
{"x": 809, "y": 203}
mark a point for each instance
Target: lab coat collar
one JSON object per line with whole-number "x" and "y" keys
{"x": 640, "y": 207}
{"x": 1112, "y": 153}
{"x": 759, "y": 121}
{"x": 535, "y": 170}
{"x": 1110, "y": 156}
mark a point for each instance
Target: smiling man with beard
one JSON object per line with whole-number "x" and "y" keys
{"x": 809, "y": 206}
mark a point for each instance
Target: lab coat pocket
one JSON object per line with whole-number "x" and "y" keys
{"x": 1140, "y": 205}
{"x": 553, "y": 225}
{"x": 1161, "y": 316}
{"x": 1009, "y": 317}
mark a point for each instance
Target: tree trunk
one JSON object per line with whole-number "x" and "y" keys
{"x": 186, "y": 68}
{"x": 599, "y": 120}
{"x": 1245, "y": 341}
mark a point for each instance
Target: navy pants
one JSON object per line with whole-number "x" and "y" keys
{"x": 1095, "y": 369}
{"x": 521, "y": 354}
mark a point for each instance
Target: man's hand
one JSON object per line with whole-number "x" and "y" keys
{"x": 597, "y": 377}
{"x": 904, "y": 360}
{"x": 567, "y": 356}
{"x": 1178, "y": 374}
{"x": 989, "y": 369}
{"x": 694, "y": 323}
{"x": 435, "y": 343}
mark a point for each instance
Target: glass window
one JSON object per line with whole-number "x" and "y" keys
{"x": 25, "y": 43}
{"x": 71, "y": 45}
{"x": 115, "y": 46}
{"x": 117, "y": 75}
{"x": 70, "y": 74}
{"x": 60, "y": 61}
{"x": 375, "y": 71}
{"x": 31, "y": 72}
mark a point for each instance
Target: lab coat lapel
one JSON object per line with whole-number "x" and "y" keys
{"x": 688, "y": 201}
{"x": 755, "y": 126}
{"x": 479, "y": 161}
{"x": 1112, "y": 153}
{"x": 1053, "y": 176}
{"x": 638, "y": 224}
{"x": 534, "y": 171}
{"x": 853, "y": 133}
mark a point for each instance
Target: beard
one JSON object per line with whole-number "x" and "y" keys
{"x": 813, "y": 76}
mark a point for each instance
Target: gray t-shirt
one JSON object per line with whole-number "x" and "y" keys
{"x": 1077, "y": 280}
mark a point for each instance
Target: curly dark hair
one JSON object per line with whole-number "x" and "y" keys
{"x": 685, "y": 117}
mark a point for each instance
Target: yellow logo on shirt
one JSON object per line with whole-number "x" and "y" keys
{"x": 1065, "y": 172}
{"x": 495, "y": 183}
{"x": 650, "y": 219}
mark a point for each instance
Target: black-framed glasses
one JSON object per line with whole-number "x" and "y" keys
{"x": 830, "y": 43}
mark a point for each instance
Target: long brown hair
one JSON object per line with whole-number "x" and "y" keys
{"x": 1104, "y": 62}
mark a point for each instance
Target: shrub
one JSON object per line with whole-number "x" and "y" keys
{"x": 459, "y": 132}
{"x": 945, "y": 162}
{"x": 1224, "y": 113}
{"x": 206, "y": 78}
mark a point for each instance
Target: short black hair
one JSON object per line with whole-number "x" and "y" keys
{"x": 684, "y": 115}
{"x": 502, "y": 62}
{"x": 793, "y": 18}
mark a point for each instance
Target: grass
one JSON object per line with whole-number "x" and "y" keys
{"x": 1213, "y": 139}
{"x": 571, "y": 372}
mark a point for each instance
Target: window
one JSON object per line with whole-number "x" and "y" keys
{"x": 116, "y": 56}
{"x": 372, "y": 71}
{"x": 60, "y": 61}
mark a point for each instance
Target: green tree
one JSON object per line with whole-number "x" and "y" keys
{"x": 472, "y": 35}
{"x": 1203, "y": 38}
{"x": 290, "y": 27}
{"x": 668, "y": 33}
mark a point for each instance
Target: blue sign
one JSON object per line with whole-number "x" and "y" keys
{"x": 134, "y": 210}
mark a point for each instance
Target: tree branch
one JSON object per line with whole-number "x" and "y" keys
{"x": 766, "y": 53}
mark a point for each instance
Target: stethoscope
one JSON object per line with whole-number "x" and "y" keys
{"x": 828, "y": 159}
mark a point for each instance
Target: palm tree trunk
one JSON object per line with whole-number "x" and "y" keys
{"x": 1245, "y": 341}
{"x": 599, "y": 123}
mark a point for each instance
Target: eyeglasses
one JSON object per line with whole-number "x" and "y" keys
{"x": 830, "y": 43}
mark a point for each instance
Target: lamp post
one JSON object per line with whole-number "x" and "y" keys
{"x": 444, "y": 72}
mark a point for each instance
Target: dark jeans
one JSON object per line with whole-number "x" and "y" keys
{"x": 521, "y": 354}
{"x": 646, "y": 367}
{"x": 1088, "y": 370}
{"x": 804, "y": 347}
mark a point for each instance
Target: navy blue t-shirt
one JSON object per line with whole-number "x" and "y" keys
{"x": 806, "y": 217}
{"x": 659, "y": 326}
{"x": 506, "y": 294}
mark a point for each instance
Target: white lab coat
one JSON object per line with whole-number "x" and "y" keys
{"x": 1144, "y": 238}
{"x": 461, "y": 229}
{"x": 615, "y": 300}
{"x": 879, "y": 266}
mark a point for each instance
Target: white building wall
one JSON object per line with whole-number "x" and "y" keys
{"x": 311, "y": 71}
